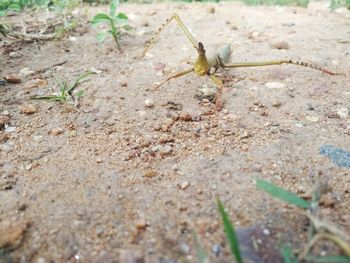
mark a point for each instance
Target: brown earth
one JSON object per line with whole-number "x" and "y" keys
{"x": 110, "y": 180}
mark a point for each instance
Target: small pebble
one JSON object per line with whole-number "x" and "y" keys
{"x": 274, "y": 85}
{"x": 332, "y": 115}
{"x": 266, "y": 232}
{"x": 26, "y": 72}
{"x": 13, "y": 79}
{"x": 57, "y": 131}
{"x": 216, "y": 249}
{"x": 4, "y": 120}
{"x": 280, "y": 45}
{"x": 150, "y": 173}
{"x": 184, "y": 185}
{"x": 185, "y": 116}
{"x": 28, "y": 109}
{"x": 276, "y": 103}
{"x": 312, "y": 118}
{"x": 165, "y": 150}
{"x": 184, "y": 248}
{"x": 35, "y": 83}
{"x": 15, "y": 54}
{"x": 343, "y": 112}
{"x": 149, "y": 103}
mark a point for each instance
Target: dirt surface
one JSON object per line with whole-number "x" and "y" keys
{"x": 111, "y": 180}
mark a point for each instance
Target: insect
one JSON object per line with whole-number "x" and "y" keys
{"x": 208, "y": 66}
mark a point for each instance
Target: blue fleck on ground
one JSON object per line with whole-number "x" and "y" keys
{"x": 339, "y": 156}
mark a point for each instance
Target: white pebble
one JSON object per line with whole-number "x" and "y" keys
{"x": 149, "y": 103}
{"x": 274, "y": 85}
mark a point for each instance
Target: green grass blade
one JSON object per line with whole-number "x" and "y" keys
{"x": 230, "y": 233}
{"x": 328, "y": 259}
{"x": 201, "y": 253}
{"x": 282, "y": 194}
{"x": 78, "y": 80}
{"x": 287, "y": 255}
{"x": 51, "y": 98}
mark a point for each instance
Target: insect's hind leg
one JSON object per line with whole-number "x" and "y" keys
{"x": 177, "y": 18}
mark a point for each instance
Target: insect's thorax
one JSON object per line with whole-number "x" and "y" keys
{"x": 201, "y": 66}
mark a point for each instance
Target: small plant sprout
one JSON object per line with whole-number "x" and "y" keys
{"x": 114, "y": 21}
{"x": 65, "y": 93}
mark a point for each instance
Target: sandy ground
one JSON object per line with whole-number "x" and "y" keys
{"x": 114, "y": 181}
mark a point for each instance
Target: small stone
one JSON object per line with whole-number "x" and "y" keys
{"x": 4, "y": 120}
{"x": 13, "y": 79}
{"x": 216, "y": 249}
{"x": 149, "y": 103}
{"x": 184, "y": 185}
{"x": 280, "y": 45}
{"x": 165, "y": 150}
{"x": 169, "y": 121}
{"x": 98, "y": 160}
{"x": 185, "y": 116}
{"x": 150, "y": 173}
{"x": 124, "y": 84}
{"x": 28, "y": 109}
{"x": 166, "y": 138}
{"x": 159, "y": 66}
{"x": 26, "y": 72}
{"x": 3, "y": 137}
{"x": 57, "y": 131}
{"x": 184, "y": 248}
{"x": 343, "y": 112}
{"x": 11, "y": 233}
{"x": 276, "y": 103}
{"x": 312, "y": 118}
{"x": 332, "y": 115}
{"x": 15, "y": 54}
{"x": 266, "y": 232}
{"x": 274, "y": 85}
{"x": 35, "y": 83}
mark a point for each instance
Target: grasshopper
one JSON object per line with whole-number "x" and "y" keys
{"x": 208, "y": 66}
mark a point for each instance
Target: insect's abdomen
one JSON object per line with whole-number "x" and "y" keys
{"x": 309, "y": 65}
{"x": 224, "y": 53}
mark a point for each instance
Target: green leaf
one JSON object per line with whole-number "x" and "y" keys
{"x": 113, "y": 7}
{"x": 287, "y": 255}
{"x": 282, "y": 194}
{"x": 100, "y": 18}
{"x": 328, "y": 259}
{"x": 102, "y": 36}
{"x": 122, "y": 16}
{"x": 230, "y": 233}
{"x": 14, "y": 7}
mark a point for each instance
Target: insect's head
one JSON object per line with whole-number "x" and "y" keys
{"x": 200, "y": 48}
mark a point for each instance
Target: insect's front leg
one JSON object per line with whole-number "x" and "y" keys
{"x": 219, "y": 104}
{"x": 175, "y": 75}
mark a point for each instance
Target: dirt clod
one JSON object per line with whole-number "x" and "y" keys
{"x": 28, "y": 109}
{"x": 13, "y": 79}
